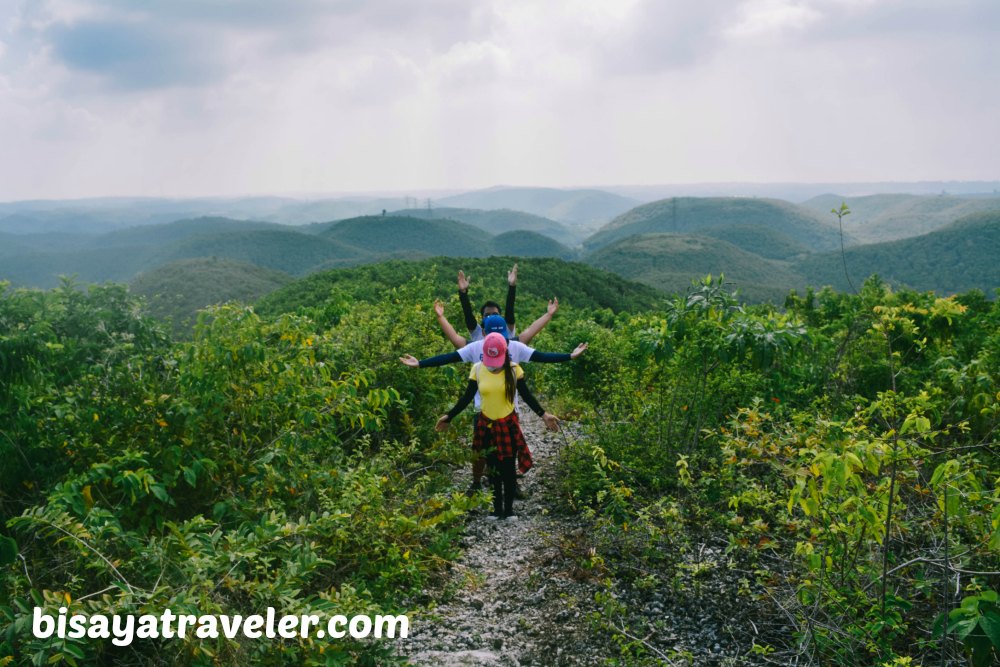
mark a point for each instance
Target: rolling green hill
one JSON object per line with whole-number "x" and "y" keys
{"x": 696, "y": 215}
{"x": 499, "y": 221}
{"x": 520, "y": 243}
{"x": 381, "y": 235}
{"x": 176, "y": 291}
{"x": 890, "y": 217}
{"x": 762, "y": 241}
{"x": 576, "y": 285}
{"x": 959, "y": 257}
{"x": 670, "y": 262}
{"x": 289, "y": 251}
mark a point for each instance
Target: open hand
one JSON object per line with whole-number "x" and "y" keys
{"x": 553, "y": 305}
{"x": 580, "y": 349}
{"x": 463, "y": 282}
{"x": 439, "y": 307}
{"x": 410, "y": 360}
{"x": 551, "y": 421}
{"x": 442, "y": 423}
{"x": 512, "y": 275}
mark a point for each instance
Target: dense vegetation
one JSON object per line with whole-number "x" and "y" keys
{"x": 842, "y": 455}
{"x": 840, "y": 451}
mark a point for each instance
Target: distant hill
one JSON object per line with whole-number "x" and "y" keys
{"x": 577, "y": 206}
{"x": 670, "y": 262}
{"x": 520, "y": 243}
{"x": 381, "y": 235}
{"x": 176, "y": 291}
{"x": 500, "y": 221}
{"x": 759, "y": 240}
{"x": 690, "y": 215}
{"x": 890, "y": 217}
{"x": 576, "y": 285}
{"x": 122, "y": 255}
{"x": 953, "y": 259}
{"x": 178, "y": 230}
{"x": 289, "y": 251}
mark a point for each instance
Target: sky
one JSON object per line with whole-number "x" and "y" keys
{"x": 245, "y": 97}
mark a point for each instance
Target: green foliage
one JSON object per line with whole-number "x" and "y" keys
{"x": 268, "y": 462}
{"x": 842, "y": 446}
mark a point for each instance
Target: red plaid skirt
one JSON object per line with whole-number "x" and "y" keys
{"x": 504, "y": 434}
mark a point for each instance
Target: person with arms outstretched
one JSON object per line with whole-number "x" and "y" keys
{"x": 497, "y": 434}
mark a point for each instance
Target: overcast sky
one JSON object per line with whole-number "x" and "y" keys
{"x": 228, "y": 97}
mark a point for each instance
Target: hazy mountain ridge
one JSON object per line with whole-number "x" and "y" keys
{"x": 571, "y": 206}
{"x": 889, "y": 217}
{"x": 499, "y": 221}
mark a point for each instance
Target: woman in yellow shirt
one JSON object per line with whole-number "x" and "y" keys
{"x": 497, "y": 430}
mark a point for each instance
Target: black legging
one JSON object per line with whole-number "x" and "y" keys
{"x": 503, "y": 475}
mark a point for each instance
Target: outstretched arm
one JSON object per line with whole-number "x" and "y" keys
{"x": 508, "y": 311}
{"x": 551, "y": 421}
{"x": 463, "y": 297}
{"x": 539, "y": 324}
{"x": 444, "y": 421}
{"x": 557, "y": 357}
{"x": 449, "y": 331}
{"x": 431, "y": 362}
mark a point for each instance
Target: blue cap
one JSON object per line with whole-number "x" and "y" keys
{"x": 494, "y": 324}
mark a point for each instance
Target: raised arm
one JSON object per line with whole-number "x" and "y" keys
{"x": 449, "y": 331}
{"x": 551, "y": 421}
{"x": 444, "y": 421}
{"x": 508, "y": 311}
{"x": 463, "y": 297}
{"x": 539, "y": 324}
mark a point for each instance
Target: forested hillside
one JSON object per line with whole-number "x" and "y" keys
{"x": 958, "y": 257}
{"x": 689, "y": 215}
{"x": 175, "y": 292}
{"x": 669, "y": 261}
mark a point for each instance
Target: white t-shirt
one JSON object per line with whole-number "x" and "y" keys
{"x": 473, "y": 353}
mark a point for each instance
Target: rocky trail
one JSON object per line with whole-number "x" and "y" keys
{"x": 523, "y": 594}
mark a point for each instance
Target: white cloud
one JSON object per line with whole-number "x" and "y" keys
{"x": 259, "y": 96}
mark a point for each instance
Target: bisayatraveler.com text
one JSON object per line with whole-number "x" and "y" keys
{"x": 123, "y": 629}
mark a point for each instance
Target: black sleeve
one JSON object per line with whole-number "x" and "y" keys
{"x": 440, "y": 360}
{"x": 549, "y": 357}
{"x": 529, "y": 398}
{"x": 508, "y": 311}
{"x": 463, "y": 402}
{"x": 470, "y": 317}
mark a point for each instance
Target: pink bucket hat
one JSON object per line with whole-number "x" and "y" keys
{"x": 494, "y": 350}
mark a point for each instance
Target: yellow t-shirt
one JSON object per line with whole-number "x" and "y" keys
{"x": 491, "y": 390}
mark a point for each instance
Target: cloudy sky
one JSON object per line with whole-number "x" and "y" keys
{"x": 226, "y": 97}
